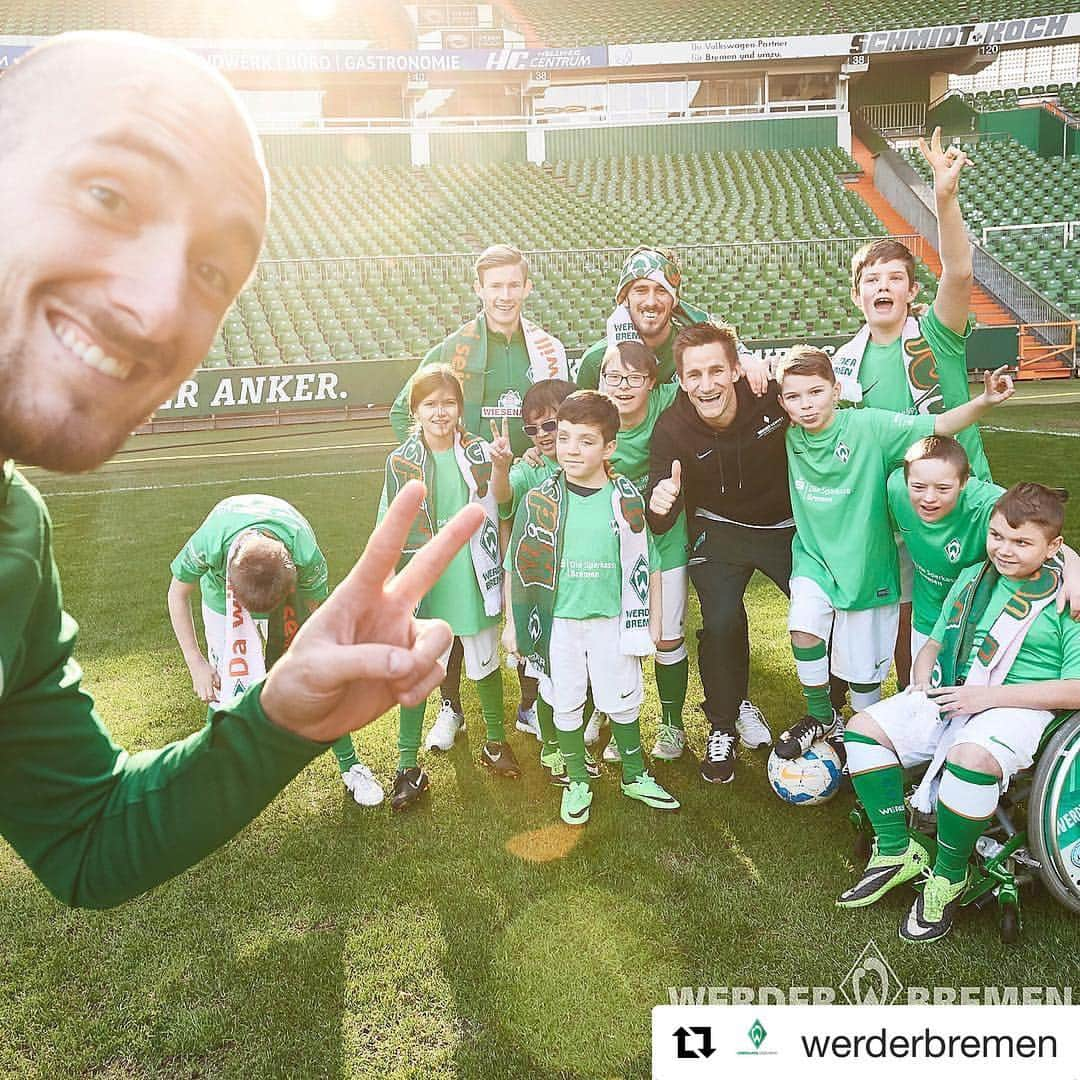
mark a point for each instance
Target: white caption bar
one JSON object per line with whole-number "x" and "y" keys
{"x": 991, "y": 1042}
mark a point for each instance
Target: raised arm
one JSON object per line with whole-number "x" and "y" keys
{"x": 953, "y": 300}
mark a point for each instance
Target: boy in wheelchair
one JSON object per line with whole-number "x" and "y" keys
{"x": 999, "y": 660}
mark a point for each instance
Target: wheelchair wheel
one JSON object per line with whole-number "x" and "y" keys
{"x": 1054, "y": 813}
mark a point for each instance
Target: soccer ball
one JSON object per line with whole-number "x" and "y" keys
{"x": 807, "y": 780}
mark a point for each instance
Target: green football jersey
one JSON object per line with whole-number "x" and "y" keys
{"x": 939, "y": 550}
{"x": 1051, "y": 646}
{"x": 455, "y": 597}
{"x": 507, "y": 377}
{"x": 524, "y": 477}
{"x": 588, "y": 376}
{"x": 837, "y": 478}
{"x": 590, "y": 572}
{"x": 883, "y": 379}
{"x": 631, "y": 459}
{"x": 204, "y": 556}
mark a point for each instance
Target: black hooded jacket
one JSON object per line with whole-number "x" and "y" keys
{"x": 739, "y": 473}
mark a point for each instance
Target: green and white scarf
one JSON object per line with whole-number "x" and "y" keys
{"x": 536, "y": 546}
{"x": 995, "y": 656}
{"x": 412, "y": 461}
{"x": 920, "y": 367}
{"x": 465, "y": 350}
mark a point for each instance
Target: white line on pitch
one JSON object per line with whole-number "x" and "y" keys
{"x": 208, "y": 483}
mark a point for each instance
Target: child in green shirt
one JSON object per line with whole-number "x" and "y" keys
{"x": 999, "y": 659}
{"x": 260, "y": 573}
{"x": 585, "y": 588}
{"x": 456, "y": 468}
{"x": 845, "y": 580}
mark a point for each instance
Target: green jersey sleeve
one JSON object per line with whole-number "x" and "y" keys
{"x": 654, "y": 552}
{"x": 588, "y": 375}
{"x": 1070, "y": 647}
{"x": 194, "y": 559}
{"x": 95, "y": 824}
{"x": 896, "y": 432}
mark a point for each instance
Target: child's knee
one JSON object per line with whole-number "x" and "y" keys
{"x": 972, "y": 756}
{"x": 802, "y": 640}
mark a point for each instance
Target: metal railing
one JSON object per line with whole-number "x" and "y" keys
{"x": 897, "y": 117}
{"x": 1068, "y": 229}
{"x": 572, "y": 264}
{"x": 1026, "y": 304}
{"x": 285, "y": 124}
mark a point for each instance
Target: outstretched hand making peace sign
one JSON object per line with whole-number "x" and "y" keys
{"x": 363, "y": 651}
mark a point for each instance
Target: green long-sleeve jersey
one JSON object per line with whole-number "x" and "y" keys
{"x": 98, "y": 825}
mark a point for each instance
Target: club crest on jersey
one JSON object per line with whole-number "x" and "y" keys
{"x": 843, "y": 452}
{"x": 952, "y": 550}
{"x": 509, "y": 404}
{"x": 639, "y": 579}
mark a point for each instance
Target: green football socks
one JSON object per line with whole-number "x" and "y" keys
{"x": 967, "y": 800}
{"x": 410, "y": 724}
{"x": 671, "y": 679}
{"x": 345, "y": 753}
{"x": 628, "y": 739}
{"x": 879, "y": 783}
{"x": 490, "y": 691}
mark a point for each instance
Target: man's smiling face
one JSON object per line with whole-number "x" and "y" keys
{"x": 133, "y": 214}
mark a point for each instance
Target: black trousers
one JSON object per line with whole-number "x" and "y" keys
{"x": 721, "y": 566}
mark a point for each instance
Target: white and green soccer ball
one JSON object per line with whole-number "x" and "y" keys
{"x": 807, "y": 780}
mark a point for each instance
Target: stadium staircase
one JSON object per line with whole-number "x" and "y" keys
{"x": 987, "y": 311}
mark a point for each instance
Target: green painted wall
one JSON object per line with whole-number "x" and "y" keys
{"x": 384, "y": 148}
{"x": 476, "y": 147}
{"x": 952, "y": 116}
{"x": 1037, "y": 129}
{"x": 689, "y": 138}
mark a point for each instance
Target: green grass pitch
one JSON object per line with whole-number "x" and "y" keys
{"x": 475, "y": 936}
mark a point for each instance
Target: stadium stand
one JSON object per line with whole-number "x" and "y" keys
{"x": 382, "y": 22}
{"x": 341, "y": 212}
{"x": 1012, "y": 185}
{"x": 619, "y": 21}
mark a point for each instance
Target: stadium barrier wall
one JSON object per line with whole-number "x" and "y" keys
{"x": 690, "y": 138}
{"x": 337, "y": 387}
{"x": 319, "y": 148}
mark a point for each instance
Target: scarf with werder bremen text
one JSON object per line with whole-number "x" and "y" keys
{"x": 536, "y": 545}
{"x": 995, "y": 655}
{"x": 465, "y": 350}
{"x": 920, "y": 367}
{"x": 412, "y": 461}
{"x": 243, "y": 661}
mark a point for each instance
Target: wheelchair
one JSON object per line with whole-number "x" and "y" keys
{"x": 1045, "y": 801}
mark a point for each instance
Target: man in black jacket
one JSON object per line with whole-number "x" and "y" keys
{"x": 719, "y": 450}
